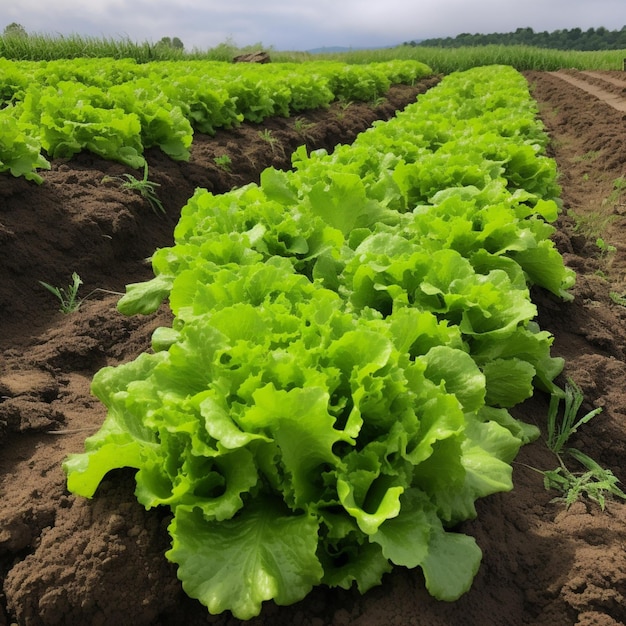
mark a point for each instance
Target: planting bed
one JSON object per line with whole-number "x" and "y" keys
{"x": 67, "y": 560}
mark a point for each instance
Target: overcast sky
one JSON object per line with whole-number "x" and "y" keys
{"x": 303, "y": 25}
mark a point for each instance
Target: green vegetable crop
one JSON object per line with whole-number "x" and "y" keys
{"x": 116, "y": 109}
{"x": 332, "y": 397}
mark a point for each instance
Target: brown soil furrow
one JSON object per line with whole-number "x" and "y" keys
{"x": 616, "y": 101}
{"x": 606, "y": 78}
{"x": 603, "y": 76}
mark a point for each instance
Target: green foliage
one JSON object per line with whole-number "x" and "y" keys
{"x": 145, "y": 187}
{"x": 117, "y": 109}
{"x": 223, "y": 161}
{"x": 562, "y": 39}
{"x": 70, "y": 302}
{"x": 20, "y": 152}
{"x": 595, "y": 482}
{"x": 14, "y": 30}
{"x": 561, "y": 429}
{"x": 333, "y": 394}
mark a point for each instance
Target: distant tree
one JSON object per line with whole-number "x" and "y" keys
{"x": 575, "y": 39}
{"x": 14, "y": 30}
{"x": 172, "y": 43}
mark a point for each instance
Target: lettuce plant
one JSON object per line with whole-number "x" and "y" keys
{"x": 298, "y": 443}
{"x": 332, "y": 397}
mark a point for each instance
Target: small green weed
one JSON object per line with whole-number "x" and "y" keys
{"x": 266, "y": 135}
{"x": 592, "y": 155}
{"x": 619, "y": 184}
{"x": 68, "y": 297}
{"x": 344, "y": 105}
{"x": 594, "y": 482}
{"x": 560, "y": 430}
{"x": 606, "y": 249}
{"x": 592, "y": 225}
{"x": 617, "y": 298}
{"x": 224, "y": 162}
{"x": 303, "y": 128}
{"x": 145, "y": 187}
{"x": 70, "y": 302}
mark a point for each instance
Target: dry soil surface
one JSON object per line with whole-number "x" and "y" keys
{"x": 66, "y": 560}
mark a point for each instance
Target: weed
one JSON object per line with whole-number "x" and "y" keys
{"x": 145, "y": 187}
{"x": 592, "y": 155}
{"x": 617, "y": 298}
{"x": 344, "y": 105}
{"x": 593, "y": 224}
{"x": 594, "y": 482}
{"x": 70, "y": 302}
{"x": 224, "y": 162}
{"x": 619, "y": 184}
{"x": 302, "y": 127}
{"x": 606, "y": 249}
{"x": 560, "y": 431}
{"x": 266, "y": 135}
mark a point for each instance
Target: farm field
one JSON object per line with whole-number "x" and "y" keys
{"x": 66, "y": 560}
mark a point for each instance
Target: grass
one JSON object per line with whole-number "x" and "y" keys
{"x": 303, "y": 128}
{"x": 266, "y": 135}
{"x": 523, "y": 58}
{"x": 441, "y": 60}
{"x": 145, "y": 187}
{"x": 68, "y": 297}
{"x": 224, "y": 162}
{"x": 590, "y": 156}
{"x": 617, "y": 298}
{"x": 593, "y": 225}
{"x": 613, "y": 199}
{"x": 592, "y": 481}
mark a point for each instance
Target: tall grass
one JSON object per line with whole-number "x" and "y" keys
{"x": 522, "y": 58}
{"x": 441, "y": 60}
{"x": 50, "y": 48}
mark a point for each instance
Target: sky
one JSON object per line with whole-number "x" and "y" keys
{"x": 304, "y": 25}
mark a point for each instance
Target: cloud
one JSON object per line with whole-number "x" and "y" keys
{"x": 293, "y": 25}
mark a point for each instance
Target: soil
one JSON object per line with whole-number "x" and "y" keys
{"x": 66, "y": 560}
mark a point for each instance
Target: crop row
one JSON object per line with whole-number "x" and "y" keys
{"x": 116, "y": 109}
{"x": 334, "y": 392}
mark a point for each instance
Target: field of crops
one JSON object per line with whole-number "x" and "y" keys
{"x": 321, "y": 360}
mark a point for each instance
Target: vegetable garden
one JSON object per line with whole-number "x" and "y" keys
{"x": 325, "y": 399}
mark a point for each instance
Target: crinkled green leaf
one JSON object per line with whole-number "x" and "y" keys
{"x": 459, "y": 373}
{"x": 508, "y": 381}
{"x": 451, "y": 563}
{"x": 260, "y": 554}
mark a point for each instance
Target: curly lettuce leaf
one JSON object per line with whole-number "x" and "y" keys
{"x": 261, "y": 554}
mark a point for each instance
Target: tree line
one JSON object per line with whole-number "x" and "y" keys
{"x": 565, "y": 39}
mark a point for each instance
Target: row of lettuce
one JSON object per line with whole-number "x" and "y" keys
{"x": 333, "y": 394}
{"x": 117, "y": 109}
